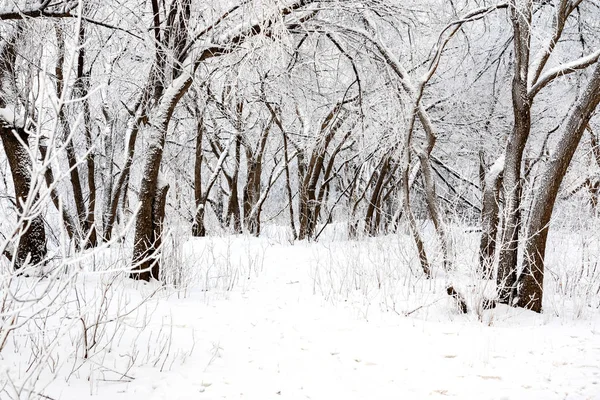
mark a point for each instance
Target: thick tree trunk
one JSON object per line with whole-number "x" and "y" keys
{"x": 31, "y": 233}
{"x": 147, "y": 230}
{"x": 531, "y": 280}
{"x": 159, "y": 205}
{"x": 512, "y": 185}
{"x": 145, "y": 248}
{"x": 31, "y": 247}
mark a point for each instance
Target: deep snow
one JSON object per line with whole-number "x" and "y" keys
{"x": 283, "y": 332}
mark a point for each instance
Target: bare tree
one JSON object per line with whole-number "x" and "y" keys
{"x": 531, "y": 281}
{"x": 529, "y": 78}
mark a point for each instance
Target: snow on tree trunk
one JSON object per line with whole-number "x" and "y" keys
{"x": 511, "y": 183}
{"x": 31, "y": 233}
{"x": 490, "y": 216}
{"x": 147, "y": 229}
{"x": 531, "y": 280}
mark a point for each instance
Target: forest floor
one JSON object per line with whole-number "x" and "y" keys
{"x": 281, "y": 333}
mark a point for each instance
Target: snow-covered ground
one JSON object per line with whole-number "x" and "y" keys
{"x": 336, "y": 320}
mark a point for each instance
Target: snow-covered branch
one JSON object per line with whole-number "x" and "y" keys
{"x": 60, "y": 9}
{"x": 562, "y": 70}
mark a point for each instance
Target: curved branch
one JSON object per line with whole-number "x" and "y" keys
{"x": 564, "y": 69}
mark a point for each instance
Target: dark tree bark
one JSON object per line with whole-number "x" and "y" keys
{"x": 82, "y": 89}
{"x": 198, "y": 228}
{"x": 511, "y": 182}
{"x": 531, "y": 280}
{"x": 233, "y": 204}
{"x": 314, "y": 168}
{"x": 324, "y": 187}
{"x": 30, "y": 235}
{"x": 372, "y": 226}
{"x": 252, "y": 189}
{"x": 31, "y": 247}
{"x": 144, "y": 253}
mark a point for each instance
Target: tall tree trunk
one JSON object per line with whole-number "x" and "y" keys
{"x": 82, "y": 83}
{"x": 233, "y": 205}
{"x": 286, "y": 156}
{"x": 531, "y": 280}
{"x": 146, "y": 262}
{"x": 288, "y": 186}
{"x": 198, "y": 228}
{"x": 147, "y": 230}
{"x": 31, "y": 233}
{"x": 68, "y": 137}
{"x": 406, "y": 161}
{"x": 520, "y": 12}
{"x": 120, "y": 186}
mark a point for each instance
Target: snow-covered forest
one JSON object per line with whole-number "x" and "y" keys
{"x": 299, "y": 199}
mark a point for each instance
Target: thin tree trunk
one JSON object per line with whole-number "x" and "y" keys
{"x": 324, "y": 189}
{"x": 66, "y": 130}
{"x": 371, "y": 226}
{"x": 288, "y": 183}
{"x": 120, "y": 186}
{"x": 70, "y": 225}
{"x": 198, "y": 228}
{"x": 233, "y": 205}
{"x": 412, "y": 223}
{"x": 490, "y": 217}
{"x": 82, "y": 90}
{"x": 434, "y": 211}
{"x": 252, "y": 189}
{"x": 308, "y": 219}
